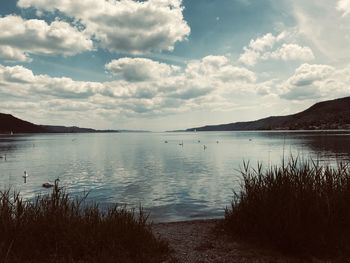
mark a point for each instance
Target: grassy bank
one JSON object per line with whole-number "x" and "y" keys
{"x": 55, "y": 228}
{"x": 301, "y": 207}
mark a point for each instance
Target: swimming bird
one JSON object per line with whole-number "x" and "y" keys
{"x": 165, "y": 141}
{"x": 199, "y": 141}
{"x": 217, "y": 141}
{"x": 49, "y": 185}
{"x": 182, "y": 143}
{"x": 25, "y": 177}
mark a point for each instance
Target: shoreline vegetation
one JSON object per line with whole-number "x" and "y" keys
{"x": 301, "y": 207}
{"x": 56, "y": 228}
{"x": 295, "y": 212}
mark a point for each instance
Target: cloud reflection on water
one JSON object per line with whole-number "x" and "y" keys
{"x": 171, "y": 181}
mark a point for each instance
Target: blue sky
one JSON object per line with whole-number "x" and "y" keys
{"x": 170, "y": 64}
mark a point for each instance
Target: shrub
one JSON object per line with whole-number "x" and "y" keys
{"x": 56, "y": 228}
{"x": 299, "y": 207}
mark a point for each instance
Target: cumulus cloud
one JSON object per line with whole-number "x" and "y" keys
{"x": 316, "y": 81}
{"x": 21, "y": 37}
{"x": 140, "y": 69}
{"x": 344, "y": 7}
{"x": 219, "y": 67}
{"x": 12, "y": 54}
{"x": 209, "y": 84}
{"x": 253, "y": 52}
{"x": 262, "y": 43}
{"x": 249, "y": 57}
{"x": 124, "y": 25}
{"x": 16, "y": 74}
{"x": 20, "y": 81}
{"x": 264, "y": 48}
{"x": 290, "y": 52}
{"x": 146, "y": 87}
{"x": 307, "y": 74}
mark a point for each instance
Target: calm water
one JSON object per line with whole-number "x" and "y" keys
{"x": 174, "y": 182}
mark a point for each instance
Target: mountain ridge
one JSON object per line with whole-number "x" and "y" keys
{"x": 331, "y": 114}
{"x": 12, "y": 124}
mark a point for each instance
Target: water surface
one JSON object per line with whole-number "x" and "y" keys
{"x": 173, "y": 181}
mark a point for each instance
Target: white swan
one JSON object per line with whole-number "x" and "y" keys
{"x": 49, "y": 185}
{"x": 25, "y": 175}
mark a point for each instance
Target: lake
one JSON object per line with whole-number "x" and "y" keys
{"x": 194, "y": 180}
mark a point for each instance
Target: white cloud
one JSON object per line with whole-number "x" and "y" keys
{"x": 264, "y": 48}
{"x": 344, "y": 6}
{"x": 208, "y": 85}
{"x": 290, "y": 52}
{"x": 20, "y": 81}
{"x": 62, "y": 105}
{"x": 219, "y": 67}
{"x": 317, "y": 81}
{"x": 249, "y": 57}
{"x": 140, "y": 69}
{"x": 21, "y": 37}
{"x": 12, "y": 54}
{"x": 306, "y": 74}
{"x": 17, "y": 74}
{"x": 262, "y": 43}
{"x": 160, "y": 88}
{"x": 323, "y": 28}
{"x": 124, "y": 25}
{"x": 252, "y": 52}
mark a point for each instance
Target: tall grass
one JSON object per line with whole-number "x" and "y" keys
{"x": 56, "y": 228}
{"x": 300, "y": 207}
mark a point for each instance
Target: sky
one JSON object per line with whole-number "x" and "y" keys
{"x": 170, "y": 64}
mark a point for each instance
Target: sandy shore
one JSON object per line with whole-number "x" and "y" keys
{"x": 197, "y": 242}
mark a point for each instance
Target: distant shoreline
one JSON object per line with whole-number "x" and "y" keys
{"x": 181, "y": 131}
{"x": 275, "y": 130}
{"x": 56, "y": 133}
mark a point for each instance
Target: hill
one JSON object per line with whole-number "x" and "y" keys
{"x": 332, "y": 114}
{"x": 9, "y": 123}
{"x": 64, "y": 129}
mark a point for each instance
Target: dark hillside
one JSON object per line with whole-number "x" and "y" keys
{"x": 332, "y": 114}
{"x": 9, "y": 123}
